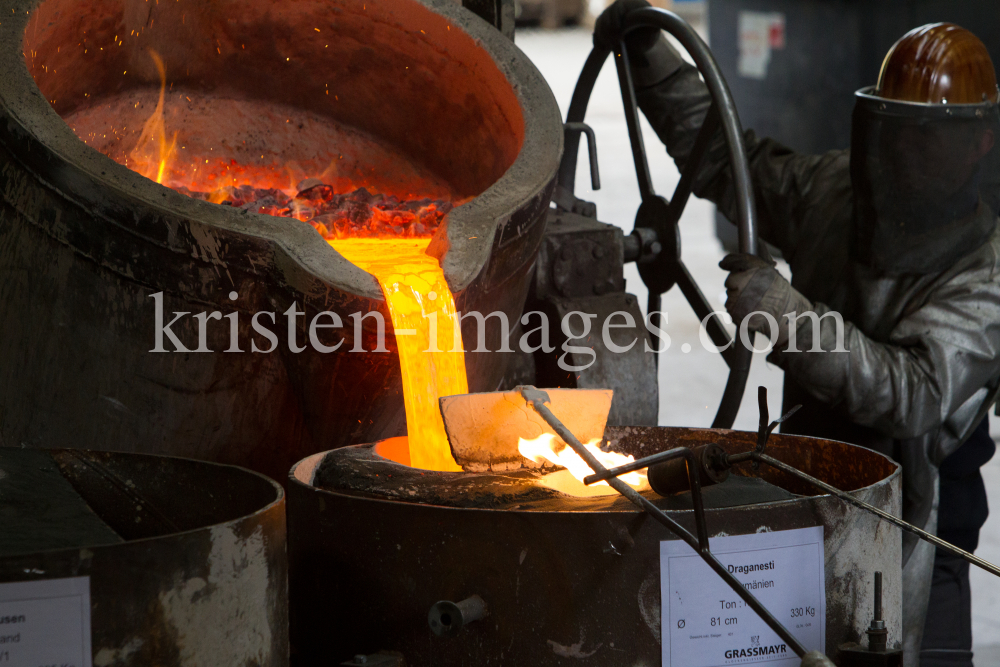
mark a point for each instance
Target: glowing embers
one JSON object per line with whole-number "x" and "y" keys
{"x": 570, "y": 480}
{"x": 357, "y": 214}
{"x": 427, "y": 337}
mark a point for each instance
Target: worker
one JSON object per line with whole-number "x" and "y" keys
{"x": 899, "y": 236}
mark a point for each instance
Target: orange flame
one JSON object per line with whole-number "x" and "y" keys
{"x": 570, "y": 480}
{"x": 152, "y": 153}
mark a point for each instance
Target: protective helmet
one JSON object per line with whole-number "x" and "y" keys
{"x": 924, "y": 167}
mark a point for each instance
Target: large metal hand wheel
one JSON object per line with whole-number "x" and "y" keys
{"x": 656, "y": 220}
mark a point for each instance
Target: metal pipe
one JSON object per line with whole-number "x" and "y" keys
{"x": 664, "y": 467}
{"x": 446, "y": 618}
{"x": 705, "y": 463}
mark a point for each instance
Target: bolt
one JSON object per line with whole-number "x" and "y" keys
{"x": 877, "y": 633}
{"x": 604, "y": 287}
{"x": 878, "y": 596}
{"x": 598, "y": 252}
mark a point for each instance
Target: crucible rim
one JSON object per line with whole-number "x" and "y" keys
{"x": 302, "y": 475}
{"x": 41, "y": 141}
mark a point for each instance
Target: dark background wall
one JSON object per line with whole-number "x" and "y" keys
{"x": 832, "y": 48}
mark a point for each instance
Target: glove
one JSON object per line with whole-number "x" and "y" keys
{"x": 611, "y": 23}
{"x": 754, "y": 285}
{"x": 651, "y": 56}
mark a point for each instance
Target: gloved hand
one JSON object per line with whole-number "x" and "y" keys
{"x": 611, "y": 22}
{"x": 754, "y": 285}
{"x": 650, "y": 54}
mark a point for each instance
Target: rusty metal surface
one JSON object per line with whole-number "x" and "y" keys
{"x": 580, "y": 269}
{"x": 84, "y": 242}
{"x": 558, "y": 584}
{"x": 201, "y": 577}
{"x": 359, "y": 471}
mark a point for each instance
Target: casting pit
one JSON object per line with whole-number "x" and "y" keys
{"x": 558, "y": 574}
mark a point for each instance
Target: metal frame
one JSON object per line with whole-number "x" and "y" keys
{"x": 867, "y": 99}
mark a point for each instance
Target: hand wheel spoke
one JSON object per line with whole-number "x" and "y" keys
{"x": 713, "y": 324}
{"x": 683, "y": 190}
{"x": 653, "y": 305}
{"x": 632, "y": 120}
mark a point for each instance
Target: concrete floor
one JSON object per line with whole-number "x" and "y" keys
{"x": 691, "y": 378}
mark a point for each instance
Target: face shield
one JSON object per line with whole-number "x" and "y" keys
{"x": 926, "y": 181}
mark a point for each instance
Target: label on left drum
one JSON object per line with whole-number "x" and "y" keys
{"x": 45, "y": 623}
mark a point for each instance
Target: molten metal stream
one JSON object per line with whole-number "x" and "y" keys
{"x": 427, "y": 337}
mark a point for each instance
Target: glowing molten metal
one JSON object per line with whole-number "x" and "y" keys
{"x": 570, "y": 480}
{"x": 423, "y": 317}
{"x": 384, "y": 234}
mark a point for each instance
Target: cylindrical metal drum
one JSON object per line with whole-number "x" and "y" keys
{"x": 186, "y": 559}
{"x": 374, "y": 545}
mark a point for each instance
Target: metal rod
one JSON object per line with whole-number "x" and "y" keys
{"x": 713, "y": 324}
{"x": 735, "y": 459}
{"x": 576, "y": 113}
{"x": 577, "y": 128}
{"x": 638, "y": 464}
{"x": 878, "y": 596}
{"x": 762, "y": 431}
{"x": 536, "y": 399}
{"x": 653, "y": 304}
{"x": 702, "y": 141}
{"x": 846, "y": 497}
{"x": 632, "y": 121}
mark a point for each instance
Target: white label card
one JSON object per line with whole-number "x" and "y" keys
{"x": 706, "y": 624}
{"x": 45, "y": 623}
{"x": 758, "y": 34}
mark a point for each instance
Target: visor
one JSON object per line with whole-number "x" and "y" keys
{"x": 926, "y": 181}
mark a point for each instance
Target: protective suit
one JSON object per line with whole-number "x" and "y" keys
{"x": 914, "y": 273}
